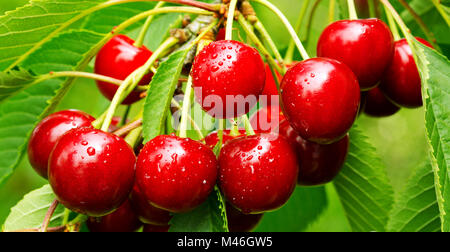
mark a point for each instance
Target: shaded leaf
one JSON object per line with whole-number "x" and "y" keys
{"x": 13, "y": 81}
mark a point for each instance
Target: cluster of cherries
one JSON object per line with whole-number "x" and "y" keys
{"x": 98, "y": 174}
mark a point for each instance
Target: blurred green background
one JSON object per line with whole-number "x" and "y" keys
{"x": 400, "y": 139}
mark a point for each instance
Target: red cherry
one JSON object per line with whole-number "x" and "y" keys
{"x": 377, "y": 105}
{"x": 321, "y": 99}
{"x": 147, "y": 213}
{"x": 91, "y": 171}
{"x": 402, "y": 83}
{"x": 258, "y": 173}
{"x": 212, "y": 139}
{"x": 148, "y": 228}
{"x": 121, "y": 220}
{"x": 239, "y": 222}
{"x": 366, "y": 46}
{"x": 117, "y": 59}
{"x": 267, "y": 119}
{"x": 318, "y": 164}
{"x": 228, "y": 70}
{"x": 48, "y": 132}
{"x": 176, "y": 174}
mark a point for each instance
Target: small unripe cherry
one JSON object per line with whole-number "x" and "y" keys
{"x": 91, "y": 171}
{"x": 258, "y": 173}
{"x": 228, "y": 77}
{"x": 121, "y": 220}
{"x": 321, "y": 99}
{"x": 48, "y": 132}
{"x": 118, "y": 59}
{"x": 176, "y": 174}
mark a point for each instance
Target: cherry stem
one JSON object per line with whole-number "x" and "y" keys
{"x": 288, "y": 25}
{"x": 193, "y": 3}
{"x": 310, "y": 19}
{"x": 140, "y": 40}
{"x": 248, "y": 126}
{"x": 422, "y": 25}
{"x": 230, "y": 20}
{"x": 437, "y": 4}
{"x": 290, "y": 51}
{"x": 392, "y": 24}
{"x": 133, "y": 136}
{"x": 352, "y": 10}
{"x": 234, "y": 129}
{"x": 193, "y": 123}
{"x": 128, "y": 127}
{"x": 331, "y": 10}
{"x": 222, "y": 126}
{"x": 268, "y": 39}
{"x": 372, "y": 8}
{"x": 251, "y": 34}
{"x": 130, "y": 83}
{"x": 48, "y": 216}
{"x": 76, "y": 74}
{"x": 66, "y": 216}
{"x": 125, "y": 115}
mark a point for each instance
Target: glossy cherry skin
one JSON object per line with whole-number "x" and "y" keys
{"x": 117, "y": 59}
{"x": 147, "y": 213}
{"x": 228, "y": 69}
{"x": 121, "y": 220}
{"x": 212, "y": 138}
{"x": 48, "y": 132}
{"x": 319, "y": 164}
{"x": 176, "y": 174}
{"x": 221, "y": 34}
{"x": 366, "y": 46}
{"x": 270, "y": 89}
{"x": 148, "y": 228}
{"x": 321, "y": 99}
{"x": 91, "y": 171}
{"x": 239, "y": 222}
{"x": 402, "y": 83}
{"x": 258, "y": 173}
{"x": 377, "y": 105}
{"x": 267, "y": 119}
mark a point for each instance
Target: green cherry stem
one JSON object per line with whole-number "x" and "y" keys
{"x": 66, "y": 217}
{"x": 132, "y": 81}
{"x": 248, "y": 126}
{"x": 186, "y": 108}
{"x": 352, "y": 10}
{"x": 193, "y": 123}
{"x": 291, "y": 48}
{"x": 430, "y": 36}
{"x": 392, "y": 24}
{"x": 230, "y": 20}
{"x": 133, "y": 136}
{"x": 268, "y": 39}
{"x": 331, "y": 11}
{"x": 222, "y": 126}
{"x": 372, "y": 8}
{"x": 140, "y": 40}
{"x": 445, "y": 16}
{"x": 288, "y": 25}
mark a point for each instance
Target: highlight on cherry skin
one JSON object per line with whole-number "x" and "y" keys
{"x": 224, "y": 73}
{"x": 91, "y": 172}
{"x": 321, "y": 99}
{"x": 258, "y": 173}
{"x": 365, "y": 45}
{"x": 47, "y": 133}
{"x": 176, "y": 174}
{"x": 118, "y": 59}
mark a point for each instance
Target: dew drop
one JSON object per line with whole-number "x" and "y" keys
{"x": 91, "y": 151}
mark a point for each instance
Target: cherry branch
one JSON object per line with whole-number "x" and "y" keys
{"x": 48, "y": 216}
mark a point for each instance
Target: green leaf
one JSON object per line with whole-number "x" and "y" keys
{"x": 434, "y": 70}
{"x": 209, "y": 217}
{"x": 363, "y": 186}
{"x": 303, "y": 208}
{"x": 25, "y": 29}
{"x": 13, "y": 81}
{"x": 21, "y": 112}
{"x": 160, "y": 95}
{"x": 30, "y": 212}
{"x": 417, "y": 209}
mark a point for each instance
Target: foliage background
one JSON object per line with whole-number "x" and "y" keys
{"x": 400, "y": 140}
